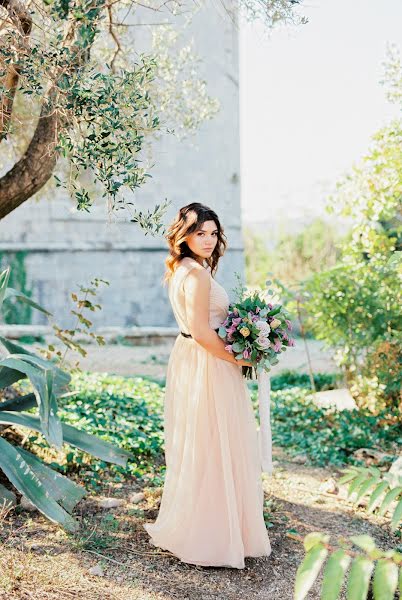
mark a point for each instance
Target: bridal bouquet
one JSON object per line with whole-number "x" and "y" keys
{"x": 256, "y": 330}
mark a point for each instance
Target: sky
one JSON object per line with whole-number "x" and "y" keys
{"x": 310, "y": 99}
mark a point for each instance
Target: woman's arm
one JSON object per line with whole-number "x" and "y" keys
{"x": 196, "y": 289}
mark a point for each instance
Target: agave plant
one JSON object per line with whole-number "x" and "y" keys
{"x": 52, "y": 493}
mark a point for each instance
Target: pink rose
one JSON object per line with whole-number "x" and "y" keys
{"x": 246, "y": 353}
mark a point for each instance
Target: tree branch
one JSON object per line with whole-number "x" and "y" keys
{"x": 22, "y": 22}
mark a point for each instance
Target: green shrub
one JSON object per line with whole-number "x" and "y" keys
{"x": 129, "y": 413}
{"x": 125, "y": 411}
{"x": 328, "y": 436}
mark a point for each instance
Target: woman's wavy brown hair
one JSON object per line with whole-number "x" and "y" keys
{"x": 191, "y": 218}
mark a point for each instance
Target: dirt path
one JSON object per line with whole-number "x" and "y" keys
{"x": 39, "y": 561}
{"x": 152, "y": 360}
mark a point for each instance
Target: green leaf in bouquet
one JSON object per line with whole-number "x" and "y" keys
{"x": 237, "y": 347}
{"x": 222, "y": 332}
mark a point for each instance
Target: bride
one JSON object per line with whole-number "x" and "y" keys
{"x": 211, "y": 510}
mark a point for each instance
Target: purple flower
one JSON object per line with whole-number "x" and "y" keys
{"x": 229, "y": 348}
{"x": 237, "y": 321}
{"x": 246, "y": 353}
{"x": 289, "y": 324}
{"x": 277, "y": 344}
{"x": 257, "y": 310}
{"x": 291, "y": 342}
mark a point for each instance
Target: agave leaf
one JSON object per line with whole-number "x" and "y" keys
{"x": 9, "y": 376}
{"x": 61, "y": 488}
{"x": 334, "y": 573}
{"x": 12, "y": 293}
{"x": 25, "y": 479}
{"x": 84, "y": 441}
{"x": 62, "y": 379}
{"x": 19, "y": 403}
{"x": 42, "y": 383}
{"x": 4, "y": 276}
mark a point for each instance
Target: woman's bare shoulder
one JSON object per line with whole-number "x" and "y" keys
{"x": 191, "y": 264}
{"x": 195, "y": 273}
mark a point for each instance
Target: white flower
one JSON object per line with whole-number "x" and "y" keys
{"x": 263, "y": 342}
{"x": 263, "y": 326}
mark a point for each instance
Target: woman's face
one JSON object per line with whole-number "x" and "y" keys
{"x": 202, "y": 242}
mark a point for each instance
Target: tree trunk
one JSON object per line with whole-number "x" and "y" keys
{"x": 35, "y": 168}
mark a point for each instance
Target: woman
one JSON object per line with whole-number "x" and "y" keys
{"x": 211, "y": 510}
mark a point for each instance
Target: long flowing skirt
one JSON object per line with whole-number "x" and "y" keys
{"x": 211, "y": 510}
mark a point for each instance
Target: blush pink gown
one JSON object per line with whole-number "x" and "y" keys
{"x": 211, "y": 510}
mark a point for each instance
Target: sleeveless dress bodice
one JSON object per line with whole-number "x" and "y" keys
{"x": 218, "y": 297}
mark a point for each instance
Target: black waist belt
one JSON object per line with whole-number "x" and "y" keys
{"x": 188, "y": 335}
